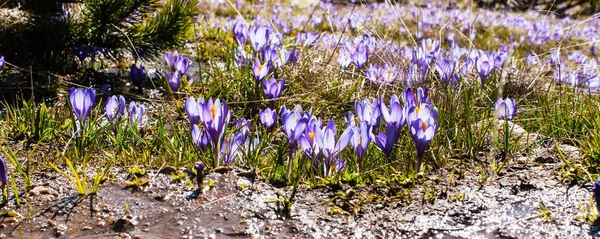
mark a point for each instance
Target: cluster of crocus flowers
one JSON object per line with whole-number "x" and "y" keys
{"x": 385, "y": 74}
{"x": 82, "y": 101}
{"x": 209, "y": 120}
{"x": 269, "y": 54}
{"x": 177, "y": 65}
{"x": 116, "y": 108}
{"x": 356, "y": 52}
{"x": 505, "y": 109}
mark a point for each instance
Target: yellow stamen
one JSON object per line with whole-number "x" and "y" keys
{"x": 418, "y": 109}
{"x": 423, "y": 126}
{"x": 259, "y": 68}
{"x": 429, "y": 47}
{"x": 356, "y": 119}
{"x": 312, "y": 136}
{"x": 212, "y": 111}
{"x": 389, "y": 72}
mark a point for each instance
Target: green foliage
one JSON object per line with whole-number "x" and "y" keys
{"x": 57, "y": 29}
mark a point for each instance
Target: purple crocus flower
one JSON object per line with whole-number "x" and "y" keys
{"x": 137, "y": 74}
{"x": 372, "y": 73}
{"x": 395, "y": 115}
{"x": 268, "y": 118}
{"x": 1, "y": 62}
{"x": 199, "y": 137}
{"x": 367, "y": 111}
{"x": 82, "y": 102}
{"x": 115, "y": 106}
{"x": 240, "y": 32}
{"x": 294, "y": 123}
{"x": 309, "y": 142}
{"x": 361, "y": 137}
{"x": 483, "y": 66}
{"x": 361, "y": 55}
{"x": 344, "y": 58}
{"x": 422, "y": 121}
{"x": 136, "y": 113}
{"x": 171, "y": 58}
{"x": 174, "y": 80}
{"x": 272, "y": 88}
{"x": 388, "y": 73}
{"x": 444, "y": 69}
{"x": 182, "y": 64}
{"x": 260, "y": 70}
{"x": 532, "y": 59}
{"x": 386, "y": 141}
{"x": 332, "y": 147}
{"x": 258, "y": 37}
{"x": 193, "y": 109}
{"x": 215, "y": 116}
{"x": 505, "y": 109}
{"x": 3, "y": 173}
{"x": 596, "y": 193}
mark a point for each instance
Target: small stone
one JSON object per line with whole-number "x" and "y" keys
{"x": 137, "y": 237}
{"x": 145, "y": 230}
{"x": 86, "y": 228}
{"x": 59, "y": 230}
{"x": 51, "y": 223}
{"x": 219, "y": 230}
{"x": 179, "y": 223}
{"x": 39, "y": 190}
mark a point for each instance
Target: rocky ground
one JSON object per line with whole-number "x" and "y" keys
{"x": 508, "y": 205}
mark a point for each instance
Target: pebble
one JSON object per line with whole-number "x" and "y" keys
{"x": 39, "y": 190}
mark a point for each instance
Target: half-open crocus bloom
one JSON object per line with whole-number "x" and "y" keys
{"x": 294, "y": 124}
{"x": 193, "y": 109}
{"x": 361, "y": 137}
{"x": 505, "y": 109}
{"x": 422, "y": 121}
{"x": 483, "y": 66}
{"x": 258, "y": 37}
{"x": 82, "y": 102}
{"x": 395, "y": 115}
{"x": 171, "y": 58}
{"x": 182, "y": 64}
{"x": 3, "y": 173}
{"x": 444, "y": 69}
{"x": 215, "y": 116}
{"x": 268, "y": 118}
{"x": 596, "y": 193}
{"x": 260, "y": 70}
{"x": 272, "y": 88}
{"x": 115, "y": 106}
{"x": 386, "y": 141}
{"x": 199, "y": 137}
{"x": 330, "y": 147}
{"x": 136, "y": 113}
{"x": 137, "y": 74}
{"x": 367, "y": 111}
{"x": 174, "y": 80}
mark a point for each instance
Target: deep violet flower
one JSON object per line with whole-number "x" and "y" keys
{"x": 385, "y": 141}
{"x": 199, "y": 167}
{"x": 3, "y": 173}
{"x": 137, "y": 74}
{"x": 361, "y": 137}
{"x": 596, "y": 194}
{"x": 174, "y": 80}
{"x": 82, "y": 102}
{"x": 199, "y": 137}
{"x": 483, "y": 66}
{"x": 215, "y": 116}
{"x": 1, "y": 62}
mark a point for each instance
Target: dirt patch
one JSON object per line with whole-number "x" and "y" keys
{"x": 508, "y": 205}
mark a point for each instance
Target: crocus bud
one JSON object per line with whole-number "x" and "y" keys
{"x": 199, "y": 167}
